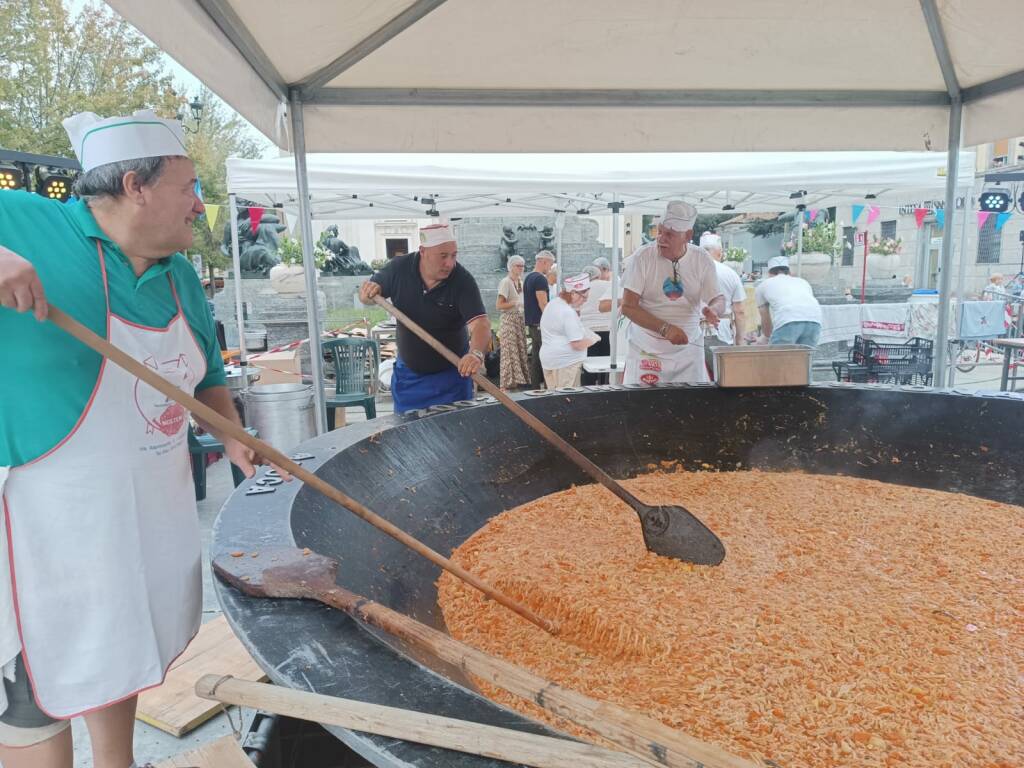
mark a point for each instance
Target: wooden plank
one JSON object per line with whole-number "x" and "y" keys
{"x": 173, "y": 707}
{"x": 222, "y": 753}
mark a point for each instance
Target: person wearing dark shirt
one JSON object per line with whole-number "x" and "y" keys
{"x": 535, "y": 298}
{"x": 440, "y": 295}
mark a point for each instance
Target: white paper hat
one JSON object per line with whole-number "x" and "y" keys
{"x": 711, "y": 240}
{"x": 777, "y": 261}
{"x": 98, "y": 141}
{"x": 679, "y": 216}
{"x": 436, "y": 234}
{"x": 578, "y": 283}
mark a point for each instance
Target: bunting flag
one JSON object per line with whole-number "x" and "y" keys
{"x": 212, "y": 212}
{"x": 874, "y": 212}
{"x": 940, "y": 217}
{"x": 290, "y": 222}
{"x": 1002, "y": 218}
{"x": 857, "y": 211}
{"x": 919, "y": 214}
{"x": 807, "y": 216}
{"x": 983, "y": 217}
{"x": 255, "y": 214}
{"x": 813, "y": 214}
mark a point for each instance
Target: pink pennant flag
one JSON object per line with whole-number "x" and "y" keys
{"x": 255, "y": 214}
{"x": 919, "y": 214}
{"x": 983, "y": 217}
{"x": 874, "y": 212}
{"x": 813, "y": 214}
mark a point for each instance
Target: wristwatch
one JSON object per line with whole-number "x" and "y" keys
{"x": 664, "y": 329}
{"x": 477, "y": 354}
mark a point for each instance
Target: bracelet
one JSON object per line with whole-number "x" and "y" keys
{"x": 664, "y": 329}
{"x": 477, "y": 354}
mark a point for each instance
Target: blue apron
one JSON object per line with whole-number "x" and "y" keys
{"x": 412, "y": 391}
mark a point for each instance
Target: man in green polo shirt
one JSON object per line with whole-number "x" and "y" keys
{"x": 100, "y": 535}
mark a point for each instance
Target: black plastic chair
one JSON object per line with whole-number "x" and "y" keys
{"x": 198, "y": 447}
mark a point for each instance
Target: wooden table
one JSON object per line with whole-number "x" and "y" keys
{"x": 1010, "y": 348}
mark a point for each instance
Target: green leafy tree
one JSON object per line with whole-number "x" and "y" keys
{"x": 54, "y": 64}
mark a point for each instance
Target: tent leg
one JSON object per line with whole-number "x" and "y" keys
{"x": 236, "y": 261}
{"x": 613, "y": 323}
{"x": 946, "y": 274}
{"x": 961, "y": 267}
{"x": 316, "y": 359}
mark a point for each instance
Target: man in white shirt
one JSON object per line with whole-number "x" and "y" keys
{"x": 731, "y": 322}
{"x": 668, "y": 286}
{"x": 789, "y": 312}
{"x": 565, "y": 340}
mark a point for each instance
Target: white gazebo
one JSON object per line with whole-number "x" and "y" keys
{"x": 605, "y": 76}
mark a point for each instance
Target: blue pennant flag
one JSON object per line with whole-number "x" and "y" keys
{"x": 940, "y": 217}
{"x": 857, "y": 211}
{"x": 1001, "y": 219}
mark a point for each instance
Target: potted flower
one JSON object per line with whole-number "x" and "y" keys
{"x": 884, "y": 257}
{"x": 819, "y": 252}
{"x": 289, "y": 277}
{"x": 735, "y": 258}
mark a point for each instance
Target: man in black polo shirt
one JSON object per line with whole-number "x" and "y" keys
{"x": 535, "y": 298}
{"x": 439, "y": 294}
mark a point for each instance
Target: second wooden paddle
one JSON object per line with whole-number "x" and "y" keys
{"x": 669, "y": 530}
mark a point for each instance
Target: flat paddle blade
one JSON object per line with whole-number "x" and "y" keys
{"x": 277, "y": 572}
{"x": 672, "y": 531}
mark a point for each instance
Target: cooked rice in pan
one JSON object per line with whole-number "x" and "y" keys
{"x": 853, "y": 623}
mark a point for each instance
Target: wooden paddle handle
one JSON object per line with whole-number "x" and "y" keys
{"x": 423, "y": 728}
{"x": 632, "y": 732}
{"x": 528, "y": 418}
{"x": 231, "y": 429}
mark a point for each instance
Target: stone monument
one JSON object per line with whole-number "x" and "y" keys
{"x": 257, "y": 250}
{"x": 507, "y": 245}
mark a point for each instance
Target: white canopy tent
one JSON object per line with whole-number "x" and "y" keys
{"x": 353, "y": 186}
{"x": 604, "y": 76}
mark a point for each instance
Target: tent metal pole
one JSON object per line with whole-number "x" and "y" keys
{"x": 236, "y": 260}
{"x": 799, "y": 241}
{"x": 613, "y": 324}
{"x": 559, "y": 225}
{"x": 946, "y": 274}
{"x": 961, "y": 266}
{"x": 316, "y": 360}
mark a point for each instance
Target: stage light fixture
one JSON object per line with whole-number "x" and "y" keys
{"x": 11, "y": 177}
{"x": 995, "y": 201}
{"x": 53, "y": 183}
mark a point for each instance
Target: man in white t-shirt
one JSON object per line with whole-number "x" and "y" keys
{"x": 789, "y": 312}
{"x": 668, "y": 286}
{"x": 564, "y": 340}
{"x": 731, "y": 322}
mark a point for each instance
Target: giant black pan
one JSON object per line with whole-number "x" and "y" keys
{"x": 442, "y": 474}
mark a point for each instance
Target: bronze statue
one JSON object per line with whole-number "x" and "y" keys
{"x": 257, "y": 251}
{"x": 547, "y": 239}
{"x": 507, "y": 245}
{"x": 344, "y": 259}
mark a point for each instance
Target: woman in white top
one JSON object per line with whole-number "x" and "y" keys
{"x": 564, "y": 339}
{"x": 515, "y": 365}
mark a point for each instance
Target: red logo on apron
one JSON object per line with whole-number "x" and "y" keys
{"x": 650, "y": 364}
{"x": 650, "y": 378}
{"x": 163, "y": 415}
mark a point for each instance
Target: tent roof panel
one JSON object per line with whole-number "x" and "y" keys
{"x": 803, "y": 44}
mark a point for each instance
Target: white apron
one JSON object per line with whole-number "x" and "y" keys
{"x": 103, "y": 534}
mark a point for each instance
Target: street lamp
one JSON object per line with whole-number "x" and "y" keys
{"x": 196, "y": 109}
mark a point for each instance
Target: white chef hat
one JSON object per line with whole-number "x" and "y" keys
{"x": 777, "y": 261}
{"x": 99, "y": 141}
{"x": 679, "y": 216}
{"x": 436, "y": 234}
{"x": 711, "y": 240}
{"x": 578, "y": 283}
